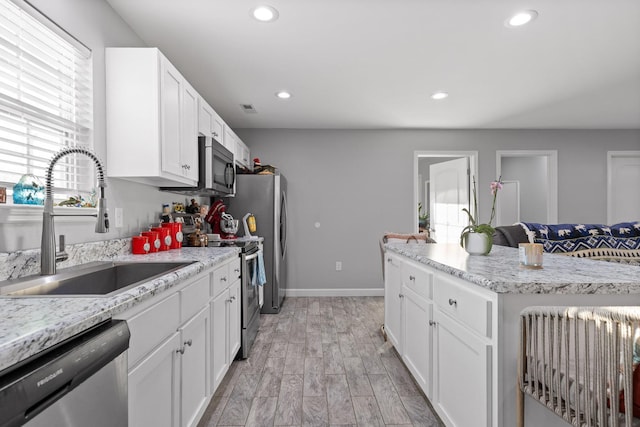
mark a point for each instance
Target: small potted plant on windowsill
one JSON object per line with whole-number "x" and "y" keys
{"x": 477, "y": 239}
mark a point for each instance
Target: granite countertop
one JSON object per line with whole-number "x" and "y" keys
{"x": 29, "y": 325}
{"x": 500, "y": 271}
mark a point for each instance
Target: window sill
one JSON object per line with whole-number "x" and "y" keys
{"x": 17, "y": 214}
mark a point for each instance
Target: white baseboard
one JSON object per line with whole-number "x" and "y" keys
{"x": 341, "y": 292}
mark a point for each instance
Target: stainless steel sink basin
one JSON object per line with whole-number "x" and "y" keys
{"x": 92, "y": 279}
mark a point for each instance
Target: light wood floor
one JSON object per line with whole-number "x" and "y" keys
{"x": 320, "y": 362}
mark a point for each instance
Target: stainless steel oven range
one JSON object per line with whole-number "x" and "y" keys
{"x": 249, "y": 291}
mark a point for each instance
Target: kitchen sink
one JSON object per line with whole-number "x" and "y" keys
{"x": 91, "y": 279}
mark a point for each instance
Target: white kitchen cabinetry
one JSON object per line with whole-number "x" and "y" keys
{"x": 194, "y": 368}
{"x": 209, "y": 122}
{"x": 225, "y": 312}
{"x": 462, "y": 374}
{"x": 153, "y": 396}
{"x": 444, "y": 330}
{"x": 152, "y": 119}
{"x": 243, "y": 154}
{"x": 169, "y": 356}
{"x": 393, "y": 300}
{"x": 229, "y": 139}
{"x": 463, "y": 352}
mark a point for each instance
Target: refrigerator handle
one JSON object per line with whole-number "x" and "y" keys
{"x": 283, "y": 225}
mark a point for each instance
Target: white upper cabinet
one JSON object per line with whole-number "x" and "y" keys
{"x": 243, "y": 154}
{"x": 152, "y": 119}
{"x": 209, "y": 122}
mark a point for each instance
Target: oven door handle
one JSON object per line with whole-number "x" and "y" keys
{"x": 250, "y": 257}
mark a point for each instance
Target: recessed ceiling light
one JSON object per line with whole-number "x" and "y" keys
{"x": 439, "y": 95}
{"x": 265, "y": 13}
{"x": 283, "y": 94}
{"x": 521, "y": 18}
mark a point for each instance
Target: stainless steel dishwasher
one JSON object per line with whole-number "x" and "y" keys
{"x": 80, "y": 382}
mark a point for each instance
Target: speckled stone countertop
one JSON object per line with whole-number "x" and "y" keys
{"x": 500, "y": 271}
{"x": 29, "y": 325}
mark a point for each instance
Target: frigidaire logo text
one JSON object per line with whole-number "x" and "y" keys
{"x": 49, "y": 378}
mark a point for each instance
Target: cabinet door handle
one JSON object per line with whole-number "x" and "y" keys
{"x": 233, "y": 298}
{"x": 237, "y": 270}
{"x": 400, "y": 296}
{"x": 432, "y": 323}
{"x": 412, "y": 278}
{"x": 223, "y": 279}
{"x": 453, "y": 302}
{"x": 180, "y": 350}
{"x": 188, "y": 342}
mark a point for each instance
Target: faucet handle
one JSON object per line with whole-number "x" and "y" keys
{"x": 61, "y": 255}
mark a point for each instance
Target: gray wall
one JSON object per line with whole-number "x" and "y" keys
{"x": 358, "y": 184}
{"x": 97, "y": 26}
{"x": 531, "y": 173}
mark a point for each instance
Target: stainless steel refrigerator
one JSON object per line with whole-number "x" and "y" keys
{"x": 265, "y": 196}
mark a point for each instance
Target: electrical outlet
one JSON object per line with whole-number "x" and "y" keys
{"x": 118, "y": 217}
{"x": 338, "y": 265}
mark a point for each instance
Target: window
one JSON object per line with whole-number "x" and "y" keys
{"x": 46, "y": 101}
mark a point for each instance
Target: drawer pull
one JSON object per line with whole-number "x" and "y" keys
{"x": 223, "y": 279}
{"x": 432, "y": 323}
{"x": 188, "y": 342}
{"x": 400, "y": 296}
{"x": 453, "y": 302}
{"x": 233, "y": 297}
{"x": 180, "y": 350}
{"x": 413, "y": 278}
{"x": 237, "y": 270}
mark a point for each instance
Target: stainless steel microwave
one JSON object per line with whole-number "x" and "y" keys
{"x": 216, "y": 171}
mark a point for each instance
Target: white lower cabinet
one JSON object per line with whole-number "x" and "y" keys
{"x": 235, "y": 324}
{"x": 219, "y": 359}
{"x": 393, "y": 300}
{"x": 462, "y": 374}
{"x": 153, "y": 395}
{"x": 417, "y": 329}
{"x": 225, "y": 337}
{"x": 444, "y": 329}
{"x": 182, "y": 343}
{"x": 194, "y": 368}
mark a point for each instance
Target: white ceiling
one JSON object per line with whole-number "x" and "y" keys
{"x": 374, "y": 63}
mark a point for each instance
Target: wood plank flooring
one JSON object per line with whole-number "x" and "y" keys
{"x": 320, "y": 362}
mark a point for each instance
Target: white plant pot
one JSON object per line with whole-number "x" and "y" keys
{"x": 477, "y": 244}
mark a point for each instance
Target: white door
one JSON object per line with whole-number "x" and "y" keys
{"x": 449, "y": 194}
{"x": 624, "y": 175}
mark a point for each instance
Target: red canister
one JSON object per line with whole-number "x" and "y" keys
{"x": 140, "y": 245}
{"x": 165, "y": 237}
{"x": 154, "y": 240}
{"x": 176, "y": 234}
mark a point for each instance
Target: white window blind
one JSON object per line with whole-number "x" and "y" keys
{"x": 46, "y": 101}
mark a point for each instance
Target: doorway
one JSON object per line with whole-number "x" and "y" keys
{"x": 623, "y": 168}
{"x": 445, "y": 192}
{"x": 531, "y": 190}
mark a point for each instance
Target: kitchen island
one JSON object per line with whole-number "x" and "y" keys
{"x": 454, "y": 319}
